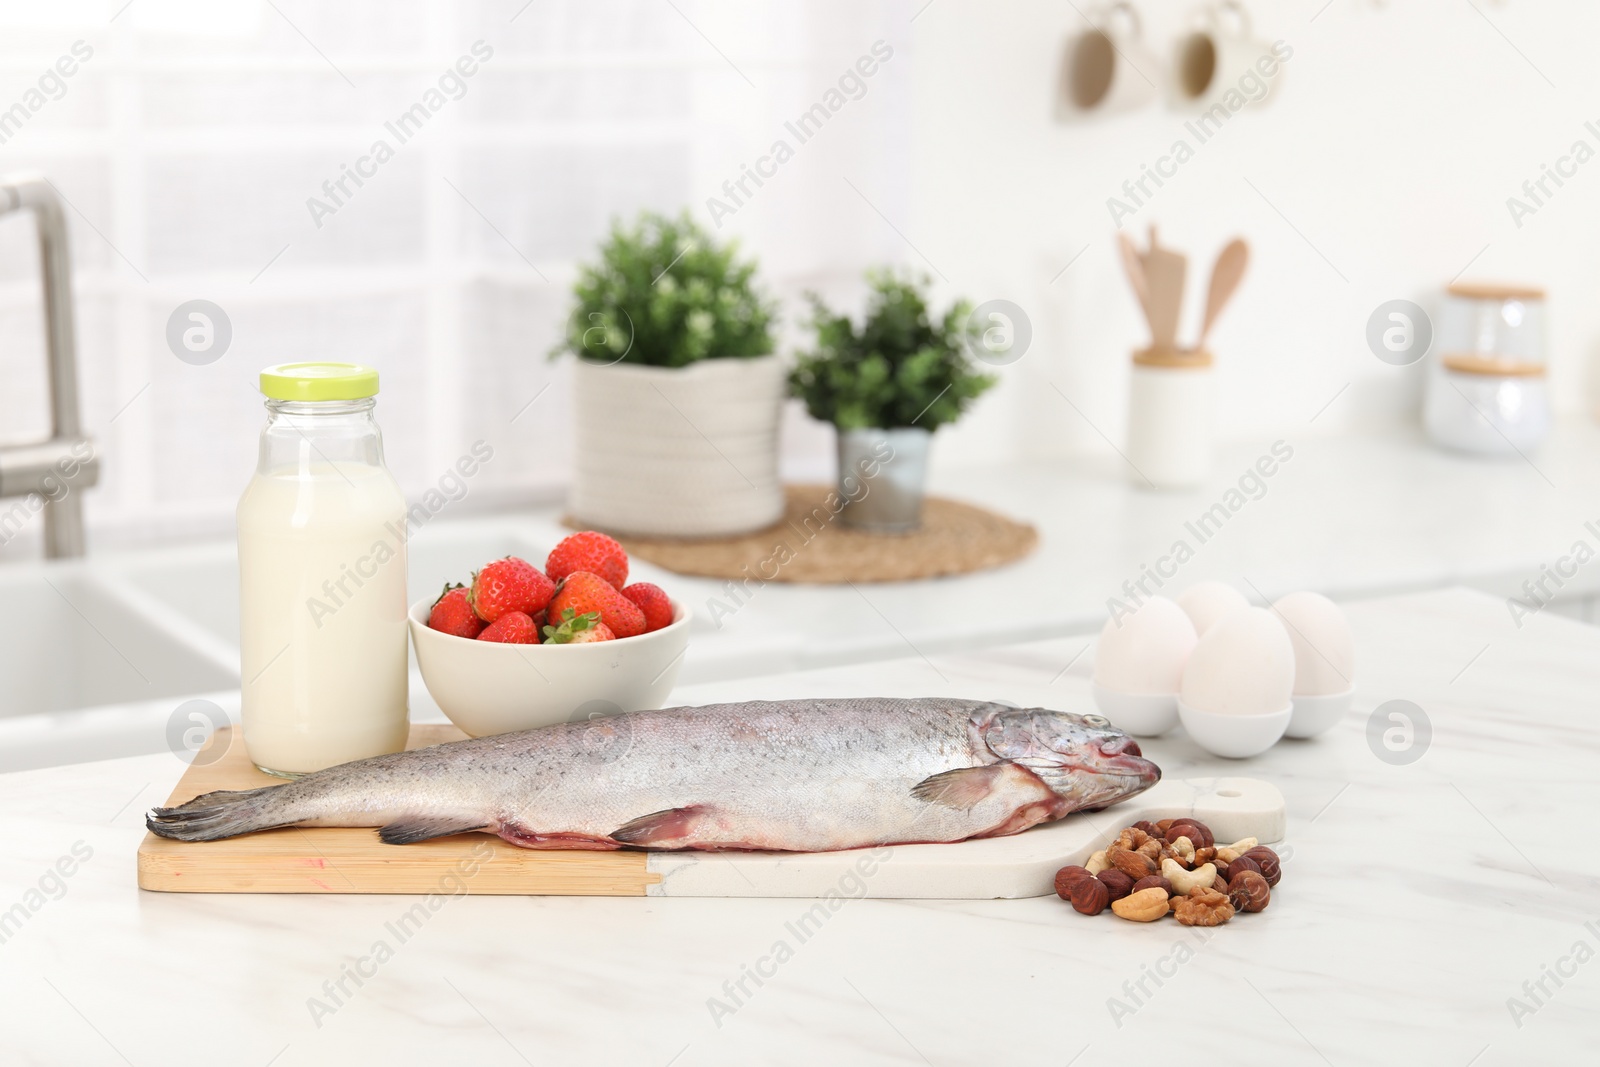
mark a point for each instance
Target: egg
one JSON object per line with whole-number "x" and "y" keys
{"x": 1145, "y": 652}
{"x": 1324, "y": 650}
{"x": 1244, "y": 665}
{"x": 1209, "y": 601}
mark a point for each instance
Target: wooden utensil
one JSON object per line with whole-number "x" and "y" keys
{"x": 1135, "y": 270}
{"x": 1225, "y": 276}
{"x": 1164, "y": 272}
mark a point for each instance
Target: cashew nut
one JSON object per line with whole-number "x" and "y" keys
{"x": 1097, "y": 862}
{"x": 1182, "y": 881}
{"x": 1147, "y": 905}
{"x": 1184, "y": 848}
{"x": 1244, "y": 844}
{"x": 1228, "y": 855}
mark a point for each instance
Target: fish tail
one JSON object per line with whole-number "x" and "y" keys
{"x": 224, "y": 813}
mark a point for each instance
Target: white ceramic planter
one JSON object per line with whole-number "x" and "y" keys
{"x": 1169, "y": 425}
{"x": 678, "y": 452}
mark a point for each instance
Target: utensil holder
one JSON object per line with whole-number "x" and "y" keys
{"x": 1170, "y": 418}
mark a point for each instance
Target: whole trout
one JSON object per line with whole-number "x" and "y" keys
{"x": 792, "y": 775}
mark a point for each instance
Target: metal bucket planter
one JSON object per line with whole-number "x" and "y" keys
{"x": 881, "y": 475}
{"x": 678, "y": 452}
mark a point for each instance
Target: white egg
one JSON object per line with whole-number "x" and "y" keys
{"x": 1207, "y": 602}
{"x": 1244, "y": 665}
{"x": 1324, "y": 650}
{"x": 1145, "y": 652}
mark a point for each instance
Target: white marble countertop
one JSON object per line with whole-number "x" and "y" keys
{"x": 1356, "y": 515}
{"x": 1417, "y": 900}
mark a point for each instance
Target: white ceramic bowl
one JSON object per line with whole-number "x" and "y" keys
{"x": 1315, "y": 715}
{"x": 1141, "y": 714}
{"x": 490, "y": 688}
{"x": 1234, "y": 736}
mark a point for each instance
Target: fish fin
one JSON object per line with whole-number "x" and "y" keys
{"x": 961, "y": 788}
{"x": 221, "y": 813}
{"x": 670, "y": 828}
{"x": 410, "y": 830}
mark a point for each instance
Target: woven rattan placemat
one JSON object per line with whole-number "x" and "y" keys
{"x": 810, "y": 545}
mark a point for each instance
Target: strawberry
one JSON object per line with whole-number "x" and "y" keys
{"x": 578, "y": 629}
{"x": 511, "y": 628}
{"x": 582, "y": 592}
{"x": 588, "y": 551}
{"x": 453, "y": 614}
{"x": 653, "y": 601}
{"x": 509, "y": 584}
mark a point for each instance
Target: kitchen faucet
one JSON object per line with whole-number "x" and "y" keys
{"x": 60, "y": 468}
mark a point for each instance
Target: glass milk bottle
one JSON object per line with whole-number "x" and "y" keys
{"x": 322, "y": 577}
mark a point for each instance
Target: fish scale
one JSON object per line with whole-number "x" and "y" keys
{"x": 795, "y": 775}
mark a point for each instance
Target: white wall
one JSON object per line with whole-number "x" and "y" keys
{"x": 188, "y": 150}
{"x": 1396, "y": 136}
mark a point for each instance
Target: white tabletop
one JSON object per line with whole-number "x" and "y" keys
{"x": 1416, "y": 900}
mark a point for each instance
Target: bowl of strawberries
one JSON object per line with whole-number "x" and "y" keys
{"x": 519, "y": 647}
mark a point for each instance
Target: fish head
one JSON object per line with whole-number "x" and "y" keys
{"x": 1087, "y": 762}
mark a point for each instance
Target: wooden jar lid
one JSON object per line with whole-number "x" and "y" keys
{"x": 1492, "y": 365}
{"x": 1490, "y": 291}
{"x": 1172, "y": 358}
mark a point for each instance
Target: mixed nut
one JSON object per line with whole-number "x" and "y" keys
{"x": 1172, "y": 865}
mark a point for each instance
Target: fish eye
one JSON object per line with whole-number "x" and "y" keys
{"x": 1097, "y": 720}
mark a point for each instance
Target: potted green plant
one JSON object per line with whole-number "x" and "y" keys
{"x": 886, "y": 386}
{"x": 677, "y": 389}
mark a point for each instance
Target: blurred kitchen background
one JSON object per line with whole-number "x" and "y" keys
{"x": 188, "y": 145}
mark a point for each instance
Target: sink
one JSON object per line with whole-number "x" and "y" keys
{"x": 71, "y": 640}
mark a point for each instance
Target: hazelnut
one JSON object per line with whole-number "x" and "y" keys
{"x": 1162, "y": 825}
{"x": 1117, "y": 883}
{"x": 1066, "y": 878}
{"x": 1135, "y": 865}
{"x": 1249, "y": 891}
{"x": 1148, "y": 827}
{"x": 1243, "y": 863}
{"x": 1267, "y": 860}
{"x": 1145, "y": 906}
{"x": 1089, "y": 896}
{"x": 1195, "y": 831}
{"x": 1153, "y": 881}
{"x": 1220, "y": 884}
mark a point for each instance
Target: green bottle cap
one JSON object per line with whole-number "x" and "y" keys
{"x": 319, "y": 381}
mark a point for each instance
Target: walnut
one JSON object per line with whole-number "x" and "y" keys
{"x": 1131, "y": 838}
{"x": 1202, "y": 907}
{"x": 1151, "y": 849}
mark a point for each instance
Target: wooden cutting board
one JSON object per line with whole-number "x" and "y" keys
{"x": 330, "y": 860}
